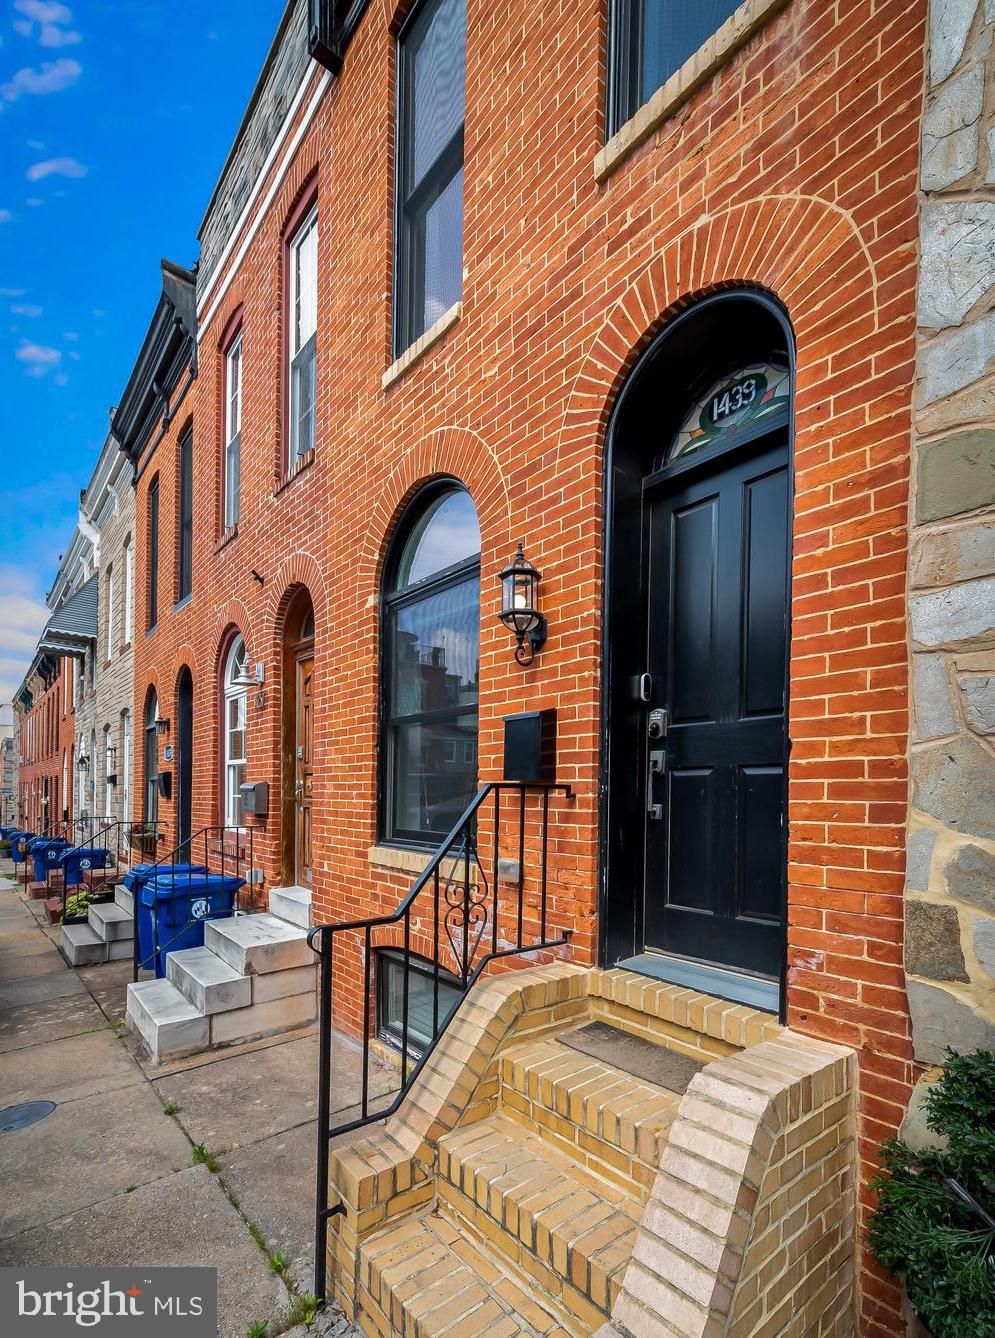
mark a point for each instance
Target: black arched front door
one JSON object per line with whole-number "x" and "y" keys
{"x": 184, "y": 759}
{"x": 696, "y": 707}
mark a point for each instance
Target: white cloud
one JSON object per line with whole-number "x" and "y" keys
{"x": 56, "y": 167}
{"x": 22, "y": 616}
{"x": 53, "y": 77}
{"x": 61, "y": 379}
{"x": 33, "y": 201}
{"x": 13, "y": 292}
{"x": 50, "y": 18}
{"x": 5, "y": 215}
{"x": 71, "y": 335}
{"x": 44, "y": 11}
{"x": 25, "y": 309}
{"x": 36, "y": 144}
{"x": 38, "y": 359}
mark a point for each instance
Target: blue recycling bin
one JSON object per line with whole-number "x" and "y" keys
{"x": 179, "y": 908}
{"x": 6, "y": 833}
{"x": 46, "y": 853}
{"x": 78, "y": 860}
{"x": 139, "y": 874}
{"x": 19, "y": 846}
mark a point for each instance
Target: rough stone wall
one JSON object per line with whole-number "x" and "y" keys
{"x": 289, "y": 66}
{"x": 950, "y": 897}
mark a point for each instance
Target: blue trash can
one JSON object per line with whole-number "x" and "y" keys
{"x": 179, "y": 907}
{"x": 78, "y": 860}
{"x": 139, "y": 874}
{"x": 19, "y": 846}
{"x": 46, "y": 853}
{"x": 6, "y": 833}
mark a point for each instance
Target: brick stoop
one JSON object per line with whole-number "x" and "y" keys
{"x": 526, "y": 1188}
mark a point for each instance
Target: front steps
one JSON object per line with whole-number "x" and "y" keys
{"x": 254, "y": 976}
{"x": 107, "y": 935}
{"x": 538, "y": 1206}
{"x": 591, "y": 1153}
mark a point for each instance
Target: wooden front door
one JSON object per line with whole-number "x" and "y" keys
{"x": 716, "y": 749}
{"x": 303, "y": 768}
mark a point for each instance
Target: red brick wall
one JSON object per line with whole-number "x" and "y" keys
{"x": 51, "y": 729}
{"x": 792, "y": 169}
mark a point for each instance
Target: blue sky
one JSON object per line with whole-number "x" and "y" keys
{"x": 115, "y": 119}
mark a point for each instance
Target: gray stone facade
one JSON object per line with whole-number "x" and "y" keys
{"x": 287, "y": 65}
{"x": 950, "y": 879}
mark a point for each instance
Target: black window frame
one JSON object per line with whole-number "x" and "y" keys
{"x": 392, "y": 600}
{"x": 389, "y": 1030}
{"x": 184, "y": 517}
{"x": 626, "y": 37}
{"x": 409, "y": 258}
{"x": 153, "y": 573}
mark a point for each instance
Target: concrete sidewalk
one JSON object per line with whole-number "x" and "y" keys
{"x": 111, "y": 1177}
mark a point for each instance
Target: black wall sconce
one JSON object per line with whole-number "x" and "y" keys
{"x": 82, "y": 764}
{"x": 520, "y": 607}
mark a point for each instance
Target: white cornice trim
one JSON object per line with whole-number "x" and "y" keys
{"x": 222, "y": 267}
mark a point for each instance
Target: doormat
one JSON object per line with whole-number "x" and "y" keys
{"x": 639, "y": 1058}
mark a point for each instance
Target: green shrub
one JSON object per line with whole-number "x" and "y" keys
{"x": 941, "y": 1242}
{"x": 78, "y": 903}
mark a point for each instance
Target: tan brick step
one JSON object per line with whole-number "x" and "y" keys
{"x": 422, "y": 1278}
{"x": 549, "y": 1216}
{"x": 615, "y": 1124}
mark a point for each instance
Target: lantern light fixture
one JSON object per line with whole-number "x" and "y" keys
{"x": 81, "y": 763}
{"x": 161, "y": 725}
{"x": 246, "y": 679}
{"x": 520, "y": 607}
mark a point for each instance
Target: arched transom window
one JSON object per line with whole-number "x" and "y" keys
{"x": 234, "y": 732}
{"x": 431, "y": 667}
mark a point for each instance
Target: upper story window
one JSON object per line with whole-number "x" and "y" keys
{"x": 110, "y": 612}
{"x": 431, "y": 103}
{"x": 153, "y": 610}
{"x": 302, "y": 259}
{"x": 431, "y": 668}
{"x": 650, "y": 41}
{"x": 233, "y": 430}
{"x": 129, "y": 590}
{"x": 184, "y": 532}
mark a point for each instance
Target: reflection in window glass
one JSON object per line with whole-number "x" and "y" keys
{"x": 423, "y": 1013}
{"x": 432, "y": 672}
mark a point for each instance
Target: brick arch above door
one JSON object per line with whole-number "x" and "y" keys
{"x": 805, "y": 251}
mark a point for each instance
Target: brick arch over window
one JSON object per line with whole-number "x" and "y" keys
{"x": 806, "y": 252}
{"x": 453, "y": 451}
{"x": 230, "y": 619}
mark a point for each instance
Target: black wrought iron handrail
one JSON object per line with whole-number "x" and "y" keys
{"x": 118, "y": 830}
{"x": 232, "y": 854}
{"x": 464, "y": 905}
{"x": 61, "y": 830}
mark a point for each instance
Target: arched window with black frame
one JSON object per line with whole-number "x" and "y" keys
{"x": 430, "y": 667}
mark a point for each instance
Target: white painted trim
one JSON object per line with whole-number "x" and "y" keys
{"x": 204, "y": 319}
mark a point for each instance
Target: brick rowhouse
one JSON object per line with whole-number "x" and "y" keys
{"x": 791, "y": 170}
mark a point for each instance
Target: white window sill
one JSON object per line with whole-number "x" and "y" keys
{"x": 738, "y": 28}
{"x": 422, "y": 344}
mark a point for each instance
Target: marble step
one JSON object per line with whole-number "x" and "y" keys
{"x": 80, "y": 946}
{"x": 124, "y": 898}
{"x": 256, "y": 944}
{"x": 292, "y": 904}
{"x": 111, "y": 922}
{"x": 210, "y": 984}
{"x": 168, "y": 1023}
